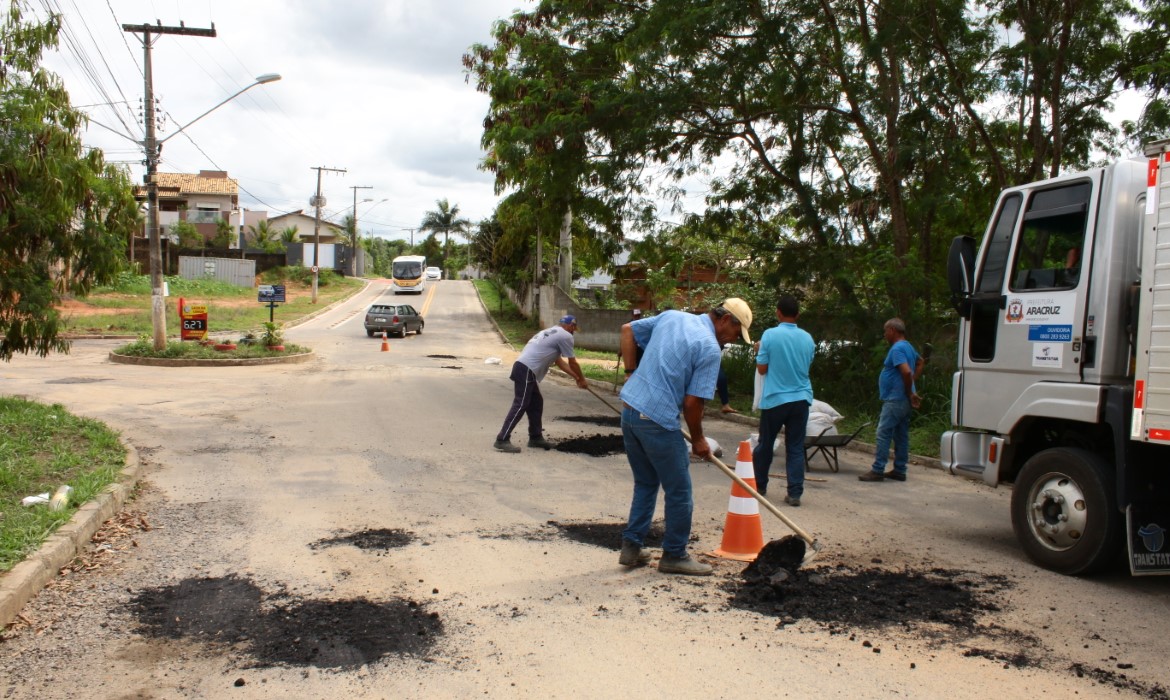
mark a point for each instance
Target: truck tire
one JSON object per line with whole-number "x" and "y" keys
{"x": 1064, "y": 511}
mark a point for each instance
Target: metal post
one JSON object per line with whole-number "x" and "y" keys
{"x": 353, "y": 252}
{"x": 317, "y": 202}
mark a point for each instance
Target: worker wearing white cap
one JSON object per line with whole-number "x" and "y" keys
{"x": 551, "y": 345}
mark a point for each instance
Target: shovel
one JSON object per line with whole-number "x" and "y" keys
{"x": 813, "y": 547}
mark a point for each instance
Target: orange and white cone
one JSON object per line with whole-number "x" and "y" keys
{"x": 743, "y": 531}
{"x": 385, "y": 343}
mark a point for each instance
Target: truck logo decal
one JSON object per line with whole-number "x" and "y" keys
{"x": 1015, "y": 311}
{"x": 1050, "y": 355}
{"x": 1153, "y": 537}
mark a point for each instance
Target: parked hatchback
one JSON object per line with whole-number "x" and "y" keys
{"x": 393, "y": 319}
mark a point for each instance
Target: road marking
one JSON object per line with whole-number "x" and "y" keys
{"x": 426, "y": 306}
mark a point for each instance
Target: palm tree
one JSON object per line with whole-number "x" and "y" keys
{"x": 446, "y": 221}
{"x": 261, "y": 234}
{"x": 289, "y": 234}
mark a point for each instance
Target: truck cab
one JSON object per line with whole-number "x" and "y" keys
{"x": 1049, "y": 342}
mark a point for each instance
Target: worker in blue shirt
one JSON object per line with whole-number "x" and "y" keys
{"x": 677, "y": 374}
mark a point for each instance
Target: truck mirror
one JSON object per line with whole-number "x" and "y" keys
{"x": 961, "y": 273}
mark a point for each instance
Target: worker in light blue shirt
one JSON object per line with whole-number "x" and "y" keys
{"x": 785, "y": 355}
{"x": 677, "y": 373}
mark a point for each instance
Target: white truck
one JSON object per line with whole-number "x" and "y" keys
{"x": 1063, "y": 379}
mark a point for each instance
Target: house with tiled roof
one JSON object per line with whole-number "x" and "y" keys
{"x": 201, "y": 199}
{"x": 304, "y": 223}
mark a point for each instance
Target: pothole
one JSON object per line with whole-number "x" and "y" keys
{"x": 283, "y": 629}
{"x": 368, "y": 539}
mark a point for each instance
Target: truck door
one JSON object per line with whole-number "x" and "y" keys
{"x": 1028, "y": 307}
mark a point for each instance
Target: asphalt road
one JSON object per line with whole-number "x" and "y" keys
{"x": 249, "y": 468}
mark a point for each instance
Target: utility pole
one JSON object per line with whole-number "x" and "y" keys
{"x": 318, "y": 201}
{"x": 353, "y": 253}
{"x": 411, "y": 237}
{"x": 158, "y": 318}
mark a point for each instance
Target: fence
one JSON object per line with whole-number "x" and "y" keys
{"x": 241, "y": 273}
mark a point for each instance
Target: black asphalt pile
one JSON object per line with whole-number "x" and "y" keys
{"x": 593, "y": 445}
{"x": 607, "y": 535}
{"x": 604, "y": 421}
{"x": 443, "y": 357}
{"x": 282, "y": 629}
{"x": 848, "y": 597}
{"x": 380, "y": 539}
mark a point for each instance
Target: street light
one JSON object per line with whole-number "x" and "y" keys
{"x": 153, "y": 148}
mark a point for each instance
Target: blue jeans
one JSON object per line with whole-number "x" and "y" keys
{"x": 793, "y": 417}
{"x": 658, "y": 457}
{"x": 894, "y": 424}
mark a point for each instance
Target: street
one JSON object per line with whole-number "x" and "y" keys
{"x": 253, "y": 475}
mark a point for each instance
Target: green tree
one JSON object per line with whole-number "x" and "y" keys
{"x": 186, "y": 233}
{"x": 288, "y": 235}
{"x": 262, "y": 236}
{"x": 844, "y": 143}
{"x": 224, "y": 234}
{"x": 444, "y": 219}
{"x": 64, "y": 213}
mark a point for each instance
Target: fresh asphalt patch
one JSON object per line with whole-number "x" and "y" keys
{"x": 281, "y": 629}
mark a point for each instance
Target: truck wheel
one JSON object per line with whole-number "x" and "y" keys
{"x": 1064, "y": 511}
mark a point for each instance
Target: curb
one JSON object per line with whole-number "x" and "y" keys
{"x": 25, "y": 580}
{"x": 227, "y": 362}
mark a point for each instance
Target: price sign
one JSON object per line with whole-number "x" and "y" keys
{"x": 192, "y": 320}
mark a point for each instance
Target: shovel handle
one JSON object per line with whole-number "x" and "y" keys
{"x": 736, "y": 478}
{"x": 756, "y": 495}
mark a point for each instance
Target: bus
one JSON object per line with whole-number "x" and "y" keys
{"x": 407, "y": 274}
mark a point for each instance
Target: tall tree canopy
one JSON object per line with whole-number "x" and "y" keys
{"x": 444, "y": 219}
{"x": 843, "y": 143}
{"x": 64, "y": 213}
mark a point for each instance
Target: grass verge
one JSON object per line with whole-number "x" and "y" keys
{"x": 124, "y": 308}
{"x": 44, "y": 447}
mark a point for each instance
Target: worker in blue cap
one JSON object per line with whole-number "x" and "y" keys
{"x": 551, "y": 345}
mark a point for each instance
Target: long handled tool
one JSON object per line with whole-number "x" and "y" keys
{"x": 813, "y": 546}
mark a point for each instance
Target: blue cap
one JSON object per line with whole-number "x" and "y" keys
{"x": 566, "y": 320}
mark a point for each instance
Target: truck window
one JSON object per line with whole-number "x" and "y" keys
{"x": 1052, "y": 239}
{"x": 985, "y": 316}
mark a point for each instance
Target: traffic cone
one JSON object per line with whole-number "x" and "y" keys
{"x": 385, "y": 343}
{"x": 743, "y": 531}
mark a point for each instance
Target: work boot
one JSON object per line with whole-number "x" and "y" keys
{"x": 895, "y": 476}
{"x": 792, "y": 501}
{"x": 872, "y": 476}
{"x": 505, "y": 446}
{"x": 685, "y": 565}
{"x": 633, "y": 554}
{"x": 540, "y": 442}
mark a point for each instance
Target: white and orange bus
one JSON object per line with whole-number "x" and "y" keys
{"x": 407, "y": 274}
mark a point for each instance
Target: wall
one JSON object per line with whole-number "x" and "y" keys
{"x": 597, "y": 329}
{"x": 241, "y": 273}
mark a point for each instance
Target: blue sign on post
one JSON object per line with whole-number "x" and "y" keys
{"x": 1050, "y": 334}
{"x": 270, "y": 293}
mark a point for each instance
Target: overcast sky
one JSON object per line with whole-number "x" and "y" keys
{"x": 375, "y": 87}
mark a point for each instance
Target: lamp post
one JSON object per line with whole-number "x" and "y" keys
{"x": 153, "y": 148}
{"x": 354, "y": 249}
